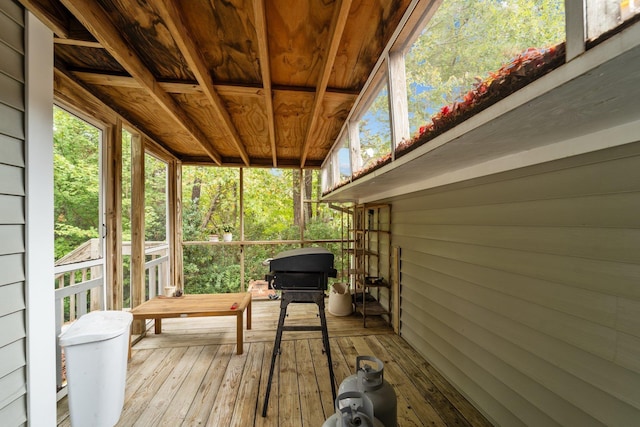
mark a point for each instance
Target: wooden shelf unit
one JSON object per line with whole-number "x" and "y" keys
{"x": 372, "y": 259}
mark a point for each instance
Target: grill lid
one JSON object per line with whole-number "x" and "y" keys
{"x": 304, "y": 260}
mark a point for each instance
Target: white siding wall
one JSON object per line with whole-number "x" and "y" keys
{"x": 523, "y": 288}
{"x": 13, "y": 401}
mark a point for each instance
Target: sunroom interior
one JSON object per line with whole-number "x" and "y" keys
{"x": 489, "y": 175}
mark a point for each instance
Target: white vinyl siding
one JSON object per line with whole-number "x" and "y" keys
{"x": 522, "y": 288}
{"x": 13, "y": 406}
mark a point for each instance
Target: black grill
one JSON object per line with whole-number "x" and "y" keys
{"x": 302, "y": 269}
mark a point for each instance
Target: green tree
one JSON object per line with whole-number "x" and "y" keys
{"x": 76, "y": 181}
{"x": 467, "y": 39}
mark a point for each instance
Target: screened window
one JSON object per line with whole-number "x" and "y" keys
{"x": 76, "y": 165}
{"x": 373, "y": 144}
{"x": 603, "y": 16}
{"x": 465, "y": 41}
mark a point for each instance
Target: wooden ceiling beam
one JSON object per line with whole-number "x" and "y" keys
{"x": 51, "y": 15}
{"x": 96, "y": 20}
{"x": 265, "y": 68}
{"x": 78, "y": 36}
{"x": 172, "y": 17}
{"x": 338, "y": 23}
{"x": 68, "y": 91}
{"x": 102, "y": 79}
{"x": 77, "y": 42}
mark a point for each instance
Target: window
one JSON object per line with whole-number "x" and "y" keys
{"x": 372, "y": 143}
{"x": 466, "y": 40}
{"x": 77, "y": 188}
{"x": 603, "y": 16}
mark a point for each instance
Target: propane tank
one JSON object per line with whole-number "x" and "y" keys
{"x": 353, "y": 409}
{"x": 370, "y": 381}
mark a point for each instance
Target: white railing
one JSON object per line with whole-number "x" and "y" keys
{"x": 157, "y": 270}
{"x": 79, "y": 289}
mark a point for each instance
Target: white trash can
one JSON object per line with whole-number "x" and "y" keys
{"x": 96, "y": 348}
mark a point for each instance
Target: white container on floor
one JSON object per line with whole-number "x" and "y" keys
{"x": 96, "y": 349}
{"x": 340, "y": 303}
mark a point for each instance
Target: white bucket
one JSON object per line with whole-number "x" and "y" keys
{"x": 340, "y": 303}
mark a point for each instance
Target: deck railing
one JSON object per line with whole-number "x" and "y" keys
{"x": 157, "y": 270}
{"x": 79, "y": 289}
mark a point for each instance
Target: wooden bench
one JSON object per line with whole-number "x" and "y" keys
{"x": 197, "y": 305}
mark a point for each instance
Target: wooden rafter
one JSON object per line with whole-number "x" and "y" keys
{"x": 98, "y": 23}
{"x": 172, "y": 17}
{"x": 47, "y": 12}
{"x": 77, "y": 42}
{"x": 337, "y": 27}
{"x": 265, "y": 68}
{"x": 101, "y": 79}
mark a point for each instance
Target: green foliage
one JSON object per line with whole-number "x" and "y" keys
{"x": 470, "y": 38}
{"x": 76, "y": 181}
{"x": 155, "y": 219}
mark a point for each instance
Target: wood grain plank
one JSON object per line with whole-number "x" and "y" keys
{"x": 272, "y": 407}
{"x": 181, "y": 34}
{"x": 319, "y": 358}
{"x": 244, "y": 412}
{"x": 188, "y": 388}
{"x": 167, "y": 392}
{"x": 193, "y": 394}
{"x": 288, "y": 392}
{"x": 265, "y": 70}
{"x": 206, "y": 396}
{"x": 308, "y": 389}
{"x": 405, "y": 414}
{"x": 403, "y": 383}
{"x": 100, "y": 24}
{"x": 226, "y": 36}
{"x": 449, "y": 403}
{"x": 295, "y": 29}
{"x": 222, "y": 410}
{"x": 141, "y": 366}
{"x": 338, "y": 23}
{"x": 138, "y": 401}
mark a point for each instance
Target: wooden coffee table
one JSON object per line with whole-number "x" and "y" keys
{"x": 197, "y": 305}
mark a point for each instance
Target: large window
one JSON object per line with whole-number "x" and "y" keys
{"x": 338, "y": 167}
{"x": 469, "y": 55}
{"x": 372, "y": 145}
{"x": 465, "y": 41}
{"x": 155, "y": 195}
{"x": 78, "y": 214}
{"x": 76, "y": 188}
{"x": 603, "y": 16}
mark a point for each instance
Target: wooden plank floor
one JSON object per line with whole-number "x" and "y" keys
{"x": 190, "y": 375}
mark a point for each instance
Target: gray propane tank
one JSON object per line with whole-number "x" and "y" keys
{"x": 353, "y": 409}
{"x": 370, "y": 381}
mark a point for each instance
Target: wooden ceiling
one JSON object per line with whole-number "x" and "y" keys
{"x": 230, "y": 82}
